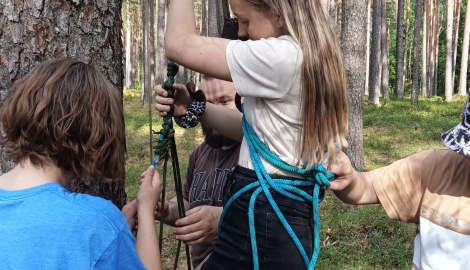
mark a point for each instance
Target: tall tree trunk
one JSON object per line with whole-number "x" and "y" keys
{"x": 204, "y": 18}
{"x": 406, "y": 58}
{"x": 437, "y": 30}
{"x": 384, "y": 77}
{"x": 128, "y": 74}
{"x": 375, "y": 55}
{"x": 91, "y": 32}
{"x": 353, "y": 45}
{"x": 400, "y": 54}
{"x": 455, "y": 38}
{"x": 215, "y": 18}
{"x": 148, "y": 52}
{"x": 369, "y": 17}
{"x": 424, "y": 79}
{"x": 464, "y": 65}
{"x": 416, "y": 50}
{"x": 430, "y": 67}
{"x": 161, "y": 60}
{"x": 449, "y": 50}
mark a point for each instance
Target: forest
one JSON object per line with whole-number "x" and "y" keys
{"x": 407, "y": 72}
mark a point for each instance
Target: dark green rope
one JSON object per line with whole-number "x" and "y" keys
{"x": 166, "y": 143}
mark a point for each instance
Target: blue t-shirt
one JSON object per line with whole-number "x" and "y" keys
{"x": 47, "y": 227}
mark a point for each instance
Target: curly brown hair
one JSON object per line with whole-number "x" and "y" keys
{"x": 65, "y": 112}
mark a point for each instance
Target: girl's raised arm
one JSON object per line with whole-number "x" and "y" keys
{"x": 184, "y": 46}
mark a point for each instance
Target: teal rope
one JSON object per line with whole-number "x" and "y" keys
{"x": 317, "y": 177}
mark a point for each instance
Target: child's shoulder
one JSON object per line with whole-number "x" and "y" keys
{"x": 91, "y": 208}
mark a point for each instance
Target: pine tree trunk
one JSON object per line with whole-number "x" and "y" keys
{"x": 455, "y": 40}
{"x": 416, "y": 51}
{"x": 353, "y": 45}
{"x": 128, "y": 73}
{"x": 449, "y": 50}
{"x": 384, "y": 77}
{"x": 214, "y": 20}
{"x": 424, "y": 79}
{"x": 34, "y": 31}
{"x": 161, "y": 60}
{"x": 406, "y": 58}
{"x": 375, "y": 55}
{"x": 464, "y": 65}
{"x": 400, "y": 52}
{"x": 437, "y": 30}
{"x": 369, "y": 17}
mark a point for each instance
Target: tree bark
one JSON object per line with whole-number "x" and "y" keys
{"x": 416, "y": 51}
{"x": 449, "y": 50}
{"x": 400, "y": 52}
{"x": 406, "y": 59}
{"x": 369, "y": 17}
{"x": 437, "y": 30}
{"x": 424, "y": 79}
{"x": 384, "y": 77}
{"x": 353, "y": 45}
{"x": 215, "y": 20}
{"x": 375, "y": 54}
{"x": 455, "y": 41}
{"x": 464, "y": 65}
{"x": 128, "y": 83}
{"x": 34, "y": 31}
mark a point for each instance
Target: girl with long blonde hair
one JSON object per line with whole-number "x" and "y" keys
{"x": 291, "y": 75}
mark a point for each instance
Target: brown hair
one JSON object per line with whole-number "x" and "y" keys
{"x": 65, "y": 112}
{"x": 325, "y": 106}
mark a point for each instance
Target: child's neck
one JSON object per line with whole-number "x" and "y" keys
{"x": 26, "y": 175}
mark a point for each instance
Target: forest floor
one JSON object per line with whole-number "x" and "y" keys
{"x": 352, "y": 237}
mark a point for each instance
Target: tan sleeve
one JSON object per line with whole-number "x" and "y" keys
{"x": 399, "y": 187}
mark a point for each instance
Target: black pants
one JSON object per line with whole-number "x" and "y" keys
{"x": 276, "y": 249}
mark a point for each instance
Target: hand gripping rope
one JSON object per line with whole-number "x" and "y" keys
{"x": 316, "y": 177}
{"x": 166, "y": 148}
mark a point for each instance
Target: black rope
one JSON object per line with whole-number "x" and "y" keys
{"x": 166, "y": 143}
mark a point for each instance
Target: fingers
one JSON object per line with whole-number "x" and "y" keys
{"x": 338, "y": 185}
{"x": 158, "y": 89}
{"x": 129, "y": 206}
{"x": 189, "y": 219}
{"x": 192, "y": 238}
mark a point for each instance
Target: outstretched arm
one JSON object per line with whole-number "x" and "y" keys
{"x": 147, "y": 239}
{"x": 226, "y": 121}
{"x": 184, "y": 46}
{"x": 350, "y": 186}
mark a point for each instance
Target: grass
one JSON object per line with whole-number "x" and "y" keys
{"x": 352, "y": 237}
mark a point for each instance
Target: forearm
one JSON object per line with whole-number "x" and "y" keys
{"x": 360, "y": 191}
{"x": 180, "y": 25}
{"x": 184, "y": 46}
{"x": 225, "y": 121}
{"x": 147, "y": 241}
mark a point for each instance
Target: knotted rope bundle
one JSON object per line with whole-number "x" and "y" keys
{"x": 317, "y": 177}
{"x": 164, "y": 149}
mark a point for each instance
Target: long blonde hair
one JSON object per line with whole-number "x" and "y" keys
{"x": 326, "y": 104}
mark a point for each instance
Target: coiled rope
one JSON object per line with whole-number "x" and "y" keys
{"x": 317, "y": 177}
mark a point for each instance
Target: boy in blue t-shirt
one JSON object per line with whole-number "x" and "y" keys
{"x": 64, "y": 120}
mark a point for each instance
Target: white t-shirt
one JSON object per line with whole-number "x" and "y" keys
{"x": 267, "y": 73}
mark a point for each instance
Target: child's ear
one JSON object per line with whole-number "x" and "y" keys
{"x": 279, "y": 22}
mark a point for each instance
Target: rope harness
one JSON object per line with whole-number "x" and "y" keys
{"x": 166, "y": 148}
{"x": 317, "y": 178}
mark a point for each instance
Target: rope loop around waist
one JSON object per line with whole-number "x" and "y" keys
{"x": 317, "y": 178}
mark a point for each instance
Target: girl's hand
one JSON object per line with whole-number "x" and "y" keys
{"x": 150, "y": 191}
{"x": 181, "y": 101}
{"x": 345, "y": 174}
